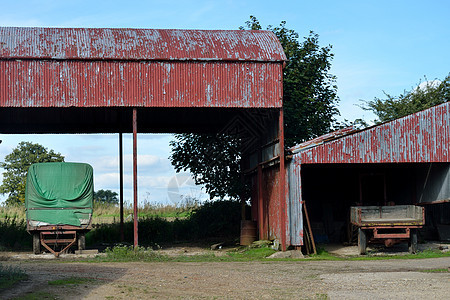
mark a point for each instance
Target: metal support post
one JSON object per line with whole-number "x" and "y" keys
{"x": 135, "y": 195}
{"x": 283, "y": 224}
{"x": 122, "y": 238}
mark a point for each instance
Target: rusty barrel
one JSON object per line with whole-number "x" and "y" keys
{"x": 248, "y": 232}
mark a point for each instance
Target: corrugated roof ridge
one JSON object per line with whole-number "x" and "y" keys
{"x": 139, "y": 44}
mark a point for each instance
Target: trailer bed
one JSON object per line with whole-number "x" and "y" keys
{"x": 400, "y": 215}
{"x": 387, "y": 224}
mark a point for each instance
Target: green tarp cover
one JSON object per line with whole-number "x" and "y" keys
{"x": 59, "y": 193}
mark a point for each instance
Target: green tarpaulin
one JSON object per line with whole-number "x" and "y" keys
{"x": 59, "y": 193}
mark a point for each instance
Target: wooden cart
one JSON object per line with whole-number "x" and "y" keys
{"x": 387, "y": 224}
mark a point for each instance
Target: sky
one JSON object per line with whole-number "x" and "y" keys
{"x": 379, "y": 47}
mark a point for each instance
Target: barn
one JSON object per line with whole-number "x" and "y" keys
{"x": 405, "y": 161}
{"x": 102, "y": 80}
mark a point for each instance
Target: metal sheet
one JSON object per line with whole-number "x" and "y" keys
{"x": 139, "y": 44}
{"x": 272, "y": 203}
{"x": 294, "y": 201}
{"x": 35, "y": 83}
{"x": 420, "y": 137}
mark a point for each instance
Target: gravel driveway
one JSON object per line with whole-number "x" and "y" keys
{"x": 384, "y": 279}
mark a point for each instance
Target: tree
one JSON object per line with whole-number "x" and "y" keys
{"x": 106, "y": 196}
{"x": 213, "y": 161}
{"x": 427, "y": 94}
{"x": 16, "y": 166}
{"x": 310, "y": 98}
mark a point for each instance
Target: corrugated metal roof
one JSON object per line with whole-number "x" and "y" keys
{"x": 420, "y": 137}
{"x": 54, "y": 67}
{"x": 139, "y": 44}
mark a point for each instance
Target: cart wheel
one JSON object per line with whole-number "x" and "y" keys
{"x": 81, "y": 241}
{"x": 36, "y": 243}
{"x": 362, "y": 241}
{"x": 413, "y": 241}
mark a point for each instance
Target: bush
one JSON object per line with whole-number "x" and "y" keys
{"x": 14, "y": 235}
{"x": 218, "y": 219}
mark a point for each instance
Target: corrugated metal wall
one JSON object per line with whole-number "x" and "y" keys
{"x": 294, "y": 201}
{"x": 36, "y": 83}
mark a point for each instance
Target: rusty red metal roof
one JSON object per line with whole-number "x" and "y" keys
{"x": 139, "y": 44}
{"x": 420, "y": 137}
{"x": 82, "y": 67}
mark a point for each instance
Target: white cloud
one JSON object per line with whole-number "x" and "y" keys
{"x": 428, "y": 84}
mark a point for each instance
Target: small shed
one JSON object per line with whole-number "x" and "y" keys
{"x": 405, "y": 161}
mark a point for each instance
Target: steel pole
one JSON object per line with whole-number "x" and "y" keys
{"x": 135, "y": 195}
{"x": 121, "y": 185}
{"x": 260, "y": 205}
{"x": 283, "y": 218}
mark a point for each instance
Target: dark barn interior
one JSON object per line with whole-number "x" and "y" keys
{"x": 329, "y": 190}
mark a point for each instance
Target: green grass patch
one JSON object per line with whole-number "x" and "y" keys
{"x": 71, "y": 280}
{"x": 418, "y": 255}
{"x": 124, "y": 253}
{"x": 10, "y": 276}
{"x": 129, "y": 253}
{"x": 37, "y": 295}
{"x": 322, "y": 254}
{"x": 443, "y": 270}
{"x": 251, "y": 254}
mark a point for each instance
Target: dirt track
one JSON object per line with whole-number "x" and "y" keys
{"x": 386, "y": 279}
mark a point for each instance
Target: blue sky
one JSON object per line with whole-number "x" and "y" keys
{"x": 378, "y": 45}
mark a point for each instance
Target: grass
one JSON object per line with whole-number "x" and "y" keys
{"x": 37, "y": 295}
{"x": 10, "y": 276}
{"x": 419, "y": 255}
{"x": 128, "y": 253}
{"x": 71, "y": 280}
{"x": 13, "y": 234}
{"x": 125, "y": 253}
{"x": 110, "y": 213}
{"x": 157, "y": 223}
{"x": 444, "y": 270}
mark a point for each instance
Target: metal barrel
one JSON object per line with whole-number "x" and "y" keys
{"x": 248, "y": 232}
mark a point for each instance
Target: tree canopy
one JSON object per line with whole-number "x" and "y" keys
{"x": 106, "y": 196}
{"x": 16, "y": 166}
{"x": 310, "y": 98}
{"x": 426, "y": 95}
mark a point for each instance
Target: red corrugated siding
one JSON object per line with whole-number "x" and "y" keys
{"x": 420, "y": 137}
{"x": 31, "y": 83}
{"x": 139, "y": 44}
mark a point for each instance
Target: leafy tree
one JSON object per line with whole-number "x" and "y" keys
{"x": 213, "y": 161}
{"x": 106, "y": 196}
{"x": 310, "y": 98}
{"x": 426, "y": 95}
{"x": 16, "y": 166}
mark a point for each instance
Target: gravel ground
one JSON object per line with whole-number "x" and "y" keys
{"x": 384, "y": 279}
